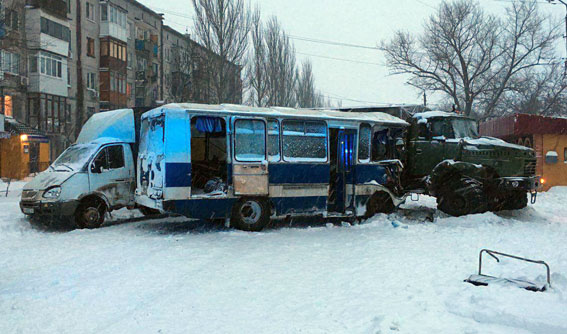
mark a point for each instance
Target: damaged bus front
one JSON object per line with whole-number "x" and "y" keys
{"x": 94, "y": 176}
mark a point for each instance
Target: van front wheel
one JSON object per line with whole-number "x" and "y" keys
{"x": 90, "y": 213}
{"x": 250, "y": 214}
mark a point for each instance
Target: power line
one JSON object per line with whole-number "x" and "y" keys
{"x": 339, "y": 59}
{"x": 294, "y": 37}
{"x": 426, "y": 5}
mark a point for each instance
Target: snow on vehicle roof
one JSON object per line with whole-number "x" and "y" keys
{"x": 377, "y": 117}
{"x": 118, "y": 124}
{"x": 436, "y": 113}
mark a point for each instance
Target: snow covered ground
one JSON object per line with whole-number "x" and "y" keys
{"x": 399, "y": 273}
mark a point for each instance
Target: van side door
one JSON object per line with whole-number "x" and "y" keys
{"x": 111, "y": 173}
{"x": 250, "y": 163}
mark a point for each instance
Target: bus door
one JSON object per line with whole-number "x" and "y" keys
{"x": 250, "y": 163}
{"x": 341, "y": 187}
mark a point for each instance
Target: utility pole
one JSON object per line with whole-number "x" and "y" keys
{"x": 554, "y": 2}
{"x": 424, "y": 92}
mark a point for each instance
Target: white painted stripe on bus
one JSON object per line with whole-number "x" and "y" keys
{"x": 176, "y": 193}
{"x": 281, "y": 190}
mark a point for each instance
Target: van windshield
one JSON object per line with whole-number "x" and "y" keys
{"x": 74, "y": 158}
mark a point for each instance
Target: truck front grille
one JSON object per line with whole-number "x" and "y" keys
{"x": 530, "y": 167}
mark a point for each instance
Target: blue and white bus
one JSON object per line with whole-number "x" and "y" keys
{"x": 248, "y": 165}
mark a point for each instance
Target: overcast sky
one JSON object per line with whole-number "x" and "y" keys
{"x": 364, "y": 79}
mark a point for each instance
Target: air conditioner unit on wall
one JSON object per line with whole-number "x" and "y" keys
{"x": 93, "y": 93}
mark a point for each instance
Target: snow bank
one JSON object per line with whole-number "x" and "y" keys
{"x": 399, "y": 273}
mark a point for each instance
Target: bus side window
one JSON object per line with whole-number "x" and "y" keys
{"x": 273, "y": 140}
{"x": 304, "y": 140}
{"x": 379, "y": 144}
{"x": 250, "y": 142}
{"x": 364, "y": 143}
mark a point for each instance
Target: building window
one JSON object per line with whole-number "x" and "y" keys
{"x": 48, "y": 112}
{"x": 91, "y": 80}
{"x": 10, "y": 62}
{"x": 11, "y": 19}
{"x": 565, "y": 155}
{"x": 90, "y": 11}
{"x": 7, "y": 106}
{"x": 113, "y": 49}
{"x": 51, "y": 65}
{"x": 118, "y": 83}
{"x": 90, "y": 47}
{"x": 55, "y": 29}
{"x": 104, "y": 12}
{"x": 551, "y": 157}
{"x": 118, "y": 16}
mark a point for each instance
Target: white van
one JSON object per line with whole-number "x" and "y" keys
{"x": 93, "y": 176}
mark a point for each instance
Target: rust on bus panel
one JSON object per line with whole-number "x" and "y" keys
{"x": 250, "y": 179}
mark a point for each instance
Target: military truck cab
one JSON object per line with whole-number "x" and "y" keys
{"x": 467, "y": 173}
{"x": 90, "y": 178}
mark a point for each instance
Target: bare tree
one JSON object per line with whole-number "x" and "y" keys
{"x": 472, "y": 56}
{"x": 306, "y": 94}
{"x": 536, "y": 91}
{"x": 256, "y": 71}
{"x": 280, "y": 66}
{"x": 222, "y": 26}
{"x": 179, "y": 85}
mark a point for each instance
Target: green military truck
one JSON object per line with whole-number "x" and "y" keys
{"x": 444, "y": 156}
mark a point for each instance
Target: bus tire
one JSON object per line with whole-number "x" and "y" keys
{"x": 90, "y": 213}
{"x": 250, "y": 214}
{"x": 379, "y": 202}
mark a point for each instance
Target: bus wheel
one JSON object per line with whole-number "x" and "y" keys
{"x": 250, "y": 214}
{"x": 380, "y": 202}
{"x": 90, "y": 213}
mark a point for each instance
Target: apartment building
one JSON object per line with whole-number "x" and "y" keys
{"x": 64, "y": 60}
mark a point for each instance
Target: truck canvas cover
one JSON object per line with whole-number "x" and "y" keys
{"x": 115, "y": 124}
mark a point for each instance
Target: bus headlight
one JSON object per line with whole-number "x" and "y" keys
{"x": 52, "y": 192}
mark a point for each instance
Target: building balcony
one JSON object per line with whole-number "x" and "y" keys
{"x": 114, "y": 30}
{"x": 56, "y": 8}
{"x": 147, "y": 46}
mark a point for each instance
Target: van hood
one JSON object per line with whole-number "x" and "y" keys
{"x": 48, "y": 179}
{"x": 116, "y": 124}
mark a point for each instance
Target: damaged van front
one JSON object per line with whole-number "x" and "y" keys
{"x": 92, "y": 177}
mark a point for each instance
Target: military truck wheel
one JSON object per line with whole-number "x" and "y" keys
{"x": 380, "y": 202}
{"x": 250, "y": 214}
{"x": 90, "y": 213}
{"x": 515, "y": 200}
{"x": 461, "y": 197}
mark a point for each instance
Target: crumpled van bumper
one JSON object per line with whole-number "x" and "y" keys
{"x": 49, "y": 210}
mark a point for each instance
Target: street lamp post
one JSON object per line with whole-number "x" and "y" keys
{"x": 554, "y": 2}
